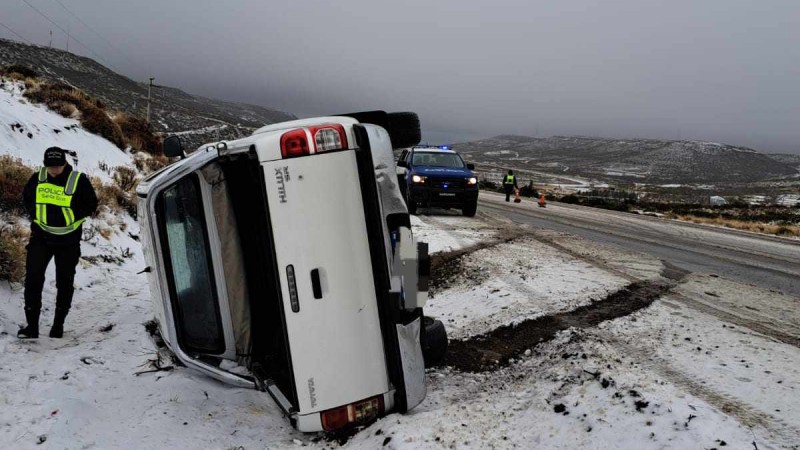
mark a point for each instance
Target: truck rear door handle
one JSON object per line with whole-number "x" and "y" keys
{"x": 315, "y": 284}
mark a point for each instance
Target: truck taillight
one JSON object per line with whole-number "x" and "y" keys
{"x": 357, "y": 413}
{"x": 294, "y": 143}
{"x": 329, "y": 137}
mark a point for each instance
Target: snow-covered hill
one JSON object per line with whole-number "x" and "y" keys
{"x": 649, "y": 161}
{"x": 26, "y": 130}
{"x": 201, "y": 119}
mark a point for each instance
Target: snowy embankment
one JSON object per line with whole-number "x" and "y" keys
{"x": 27, "y": 129}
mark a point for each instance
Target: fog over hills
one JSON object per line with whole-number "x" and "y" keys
{"x": 199, "y": 119}
{"x": 637, "y": 160}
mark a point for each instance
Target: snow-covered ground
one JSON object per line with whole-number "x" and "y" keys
{"x": 82, "y": 391}
{"x": 689, "y": 371}
{"x": 26, "y": 130}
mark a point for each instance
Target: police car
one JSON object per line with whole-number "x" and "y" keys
{"x": 437, "y": 177}
{"x": 285, "y": 262}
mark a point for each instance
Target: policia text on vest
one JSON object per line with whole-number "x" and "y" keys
{"x": 58, "y": 200}
{"x": 509, "y": 184}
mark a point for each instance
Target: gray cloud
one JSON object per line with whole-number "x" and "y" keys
{"x": 720, "y": 70}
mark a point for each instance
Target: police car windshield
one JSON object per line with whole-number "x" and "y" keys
{"x": 438, "y": 159}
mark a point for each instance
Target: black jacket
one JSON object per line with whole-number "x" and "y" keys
{"x": 84, "y": 204}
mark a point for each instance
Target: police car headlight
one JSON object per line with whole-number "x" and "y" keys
{"x": 472, "y": 180}
{"x": 417, "y": 179}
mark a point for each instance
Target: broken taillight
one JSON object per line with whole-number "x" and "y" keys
{"x": 357, "y": 413}
{"x": 294, "y": 143}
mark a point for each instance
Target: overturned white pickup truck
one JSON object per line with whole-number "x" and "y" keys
{"x": 290, "y": 253}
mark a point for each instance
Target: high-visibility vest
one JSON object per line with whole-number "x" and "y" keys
{"x": 60, "y": 196}
{"x": 509, "y": 179}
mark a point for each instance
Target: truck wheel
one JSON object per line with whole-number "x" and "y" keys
{"x": 404, "y": 129}
{"x": 434, "y": 343}
{"x": 470, "y": 208}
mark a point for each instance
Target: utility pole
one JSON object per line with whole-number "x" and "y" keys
{"x": 51, "y": 39}
{"x": 68, "y": 31}
{"x": 149, "y": 89}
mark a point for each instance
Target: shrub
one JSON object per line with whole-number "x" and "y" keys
{"x": 19, "y": 69}
{"x": 95, "y": 120}
{"x": 149, "y": 164}
{"x": 114, "y": 198}
{"x": 57, "y": 96}
{"x": 13, "y": 177}
{"x": 126, "y": 178}
{"x": 13, "y": 238}
{"x": 139, "y": 133}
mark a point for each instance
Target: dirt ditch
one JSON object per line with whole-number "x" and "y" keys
{"x": 493, "y": 350}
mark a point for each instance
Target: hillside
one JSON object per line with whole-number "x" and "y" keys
{"x": 26, "y": 129}
{"x": 172, "y": 110}
{"x": 637, "y": 160}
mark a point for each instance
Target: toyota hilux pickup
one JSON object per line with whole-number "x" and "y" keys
{"x": 285, "y": 262}
{"x": 437, "y": 177}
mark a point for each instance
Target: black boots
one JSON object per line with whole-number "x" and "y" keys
{"x": 57, "y": 331}
{"x": 32, "y": 330}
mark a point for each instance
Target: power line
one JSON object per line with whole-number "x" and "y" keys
{"x": 88, "y": 27}
{"x": 68, "y": 34}
{"x": 14, "y": 33}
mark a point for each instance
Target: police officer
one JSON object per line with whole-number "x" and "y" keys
{"x": 509, "y": 184}
{"x": 58, "y": 200}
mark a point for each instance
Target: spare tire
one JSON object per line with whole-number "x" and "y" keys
{"x": 404, "y": 129}
{"x": 434, "y": 342}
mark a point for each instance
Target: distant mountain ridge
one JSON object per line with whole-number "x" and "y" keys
{"x": 199, "y": 119}
{"x": 634, "y": 160}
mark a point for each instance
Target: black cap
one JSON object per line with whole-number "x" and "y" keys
{"x": 54, "y": 157}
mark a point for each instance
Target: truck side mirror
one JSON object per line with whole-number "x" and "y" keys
{"x": 402, "y": 163}
{"x": 173, "y": 147}
{"x": 470, "y": 166}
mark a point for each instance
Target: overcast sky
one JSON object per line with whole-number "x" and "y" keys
{"x": 719, "y": 70}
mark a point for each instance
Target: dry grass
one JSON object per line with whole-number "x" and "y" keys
{"x": 757, "y": 227}
{"x": 19, "y": 71}
{"x": 122, "y": 130}
{"x": 113, "y": 196}
{"x": 150, "y": 164}
{"x": 13, "y": 239}
{"x": 13, "y": 177}
{"x": 126, "y": 178}
{"x": 139, "y": 133}
{"x": 59, "y": 96}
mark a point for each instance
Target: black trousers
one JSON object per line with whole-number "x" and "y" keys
{"x": 509, "y": 190}
{"x": 39, "y": 255}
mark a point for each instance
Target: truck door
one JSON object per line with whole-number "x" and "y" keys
{"x": 321, "y": 245}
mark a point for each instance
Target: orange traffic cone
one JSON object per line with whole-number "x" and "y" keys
{"x": 542, "y": 203}
{"x": 516, "y": 196}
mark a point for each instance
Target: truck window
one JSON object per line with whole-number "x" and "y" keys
{"x": 438, "y": 159}
{"x": 193, "y": 291}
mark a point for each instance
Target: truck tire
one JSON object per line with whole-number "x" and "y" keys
{"x": 434, "y": 343}
{"x": 404, "y": 129}
{"x": 470, "y": 209}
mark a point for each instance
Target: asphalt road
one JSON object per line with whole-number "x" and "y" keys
{"x": 766, "y": 262}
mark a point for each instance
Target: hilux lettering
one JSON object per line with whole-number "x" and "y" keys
{"x": 281, "y": 184}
